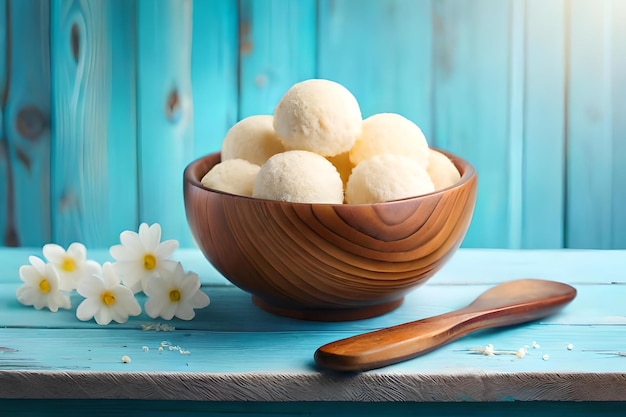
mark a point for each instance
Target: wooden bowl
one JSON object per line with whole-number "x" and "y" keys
{"x": 328, "y": 262}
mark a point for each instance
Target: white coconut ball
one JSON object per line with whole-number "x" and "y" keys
{"x": 319, "y": 116}
{"x": 299, "y": 176}
{"x": 390, "y": 133}
{"x": 442, "y": 171}
{"x": 387, "y": 177}
{"x": 235, "y": 176}
{"x": 252, "y": 139}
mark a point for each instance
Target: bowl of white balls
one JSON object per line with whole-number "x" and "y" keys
{"x": 322, "y": 215}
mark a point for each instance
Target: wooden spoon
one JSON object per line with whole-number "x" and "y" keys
{"x": 509, "y": 303}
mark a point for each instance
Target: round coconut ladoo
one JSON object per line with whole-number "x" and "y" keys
{"x": 390, "y": 133}
{"x": 299, "y": 176}
{"x": 319, "y": 116}
{"x": 387, "y": 177}
{"x": 235, "y": 176}
{"x": 252, "y": 139}
{"x": 442, "y": 171}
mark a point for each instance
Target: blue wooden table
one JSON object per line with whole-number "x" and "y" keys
{"x": 234, "y": 358}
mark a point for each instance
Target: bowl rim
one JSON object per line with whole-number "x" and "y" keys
{"x": 468, "y": 173}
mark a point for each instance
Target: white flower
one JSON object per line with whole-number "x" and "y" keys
{"x": 71, "y": 265}
{"x": 175, "y": 294}
{"x": 41, "y": 286}
{"x": 105, "y": 298}
{"x": 142, "y": 255}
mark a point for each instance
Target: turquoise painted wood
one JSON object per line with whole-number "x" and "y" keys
{"x": 124, "y": 93}
{"x": 79, "y": 408}
{"x": 618, "y": 123}
{"x": 382, "y": 52}
{"x": 122, "y": 194}
{"x": 165, "y": 113}
{"x": 93, "y": 174}
{"x": 6, "y": 207}
{"x": 215, "y": 77}
{"x": 277, "y": 48}
{"x": 27, "y": 114}
{"x": 589, "y": 138}
{"x": 543, "y": 125}
{"x": 241, "y": 360}
{"x": 472, "y": 57}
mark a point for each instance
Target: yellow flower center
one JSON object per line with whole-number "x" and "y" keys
{"x": 108, "y": 298}
{"x": 174, "y": 295}
{"x": 149, "y": 261}
{"x": 44, "y": 286}
{"x": 68, "y": 265}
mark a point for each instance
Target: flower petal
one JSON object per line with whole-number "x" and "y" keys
{"x": 200, "y": 300}
{"x": 39, "y": 300}
{"x": 122, "y": 253}
{"x": 185, "y": 311}
{"x": 53, "y": 253}
{"x": 58, "y": 300}
{"x": 110, "y": 275}
{"x": 133, "y": 308}
{"x": 87, "y": 309}
{"x": 103, "y": 316}
{"x": 166, "y": 248}
{"x": 131, "y": 274}
{"x": 189, "y": 285}
{"x": 78, "y": 251}
{"x": 29, "y": 274}
{"x": 154, "y": 285}
{"x": 153, "y": 306}
{"x": 167, "y": 269}
{"x": 26, "y": 294}
{"x": 91, "y": 268}
{"x": 38, "y": 264}
{"x": 131, "y": 242}
{"x": 53, "y": 277}
{"x": 168, "y": 310}
{"x": 150, "y": 236}
{"x": 91, "y": 286}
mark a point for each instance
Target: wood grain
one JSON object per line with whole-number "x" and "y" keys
{"x": 277, "y": 48}
{"x": 323, "y": 261}
{"x": 590, "y": 126}
{"x": 54, "y": 356}
{"x": 528, "y": 91}
{"x": 214, "y": 77}
{"x": 513, "y": 302}
{"x": 81, "y": 79}
{"x": 618, "y": 123}
{"x": 165, "y": 112}
{"x": 543, "y": 155}
{"x": 472, "y": 50}
{"x": 28, "y": 116}
{"x": 122, "y": 193}
{"x": 6, "y": 217}
{"x": 382, "y": 52}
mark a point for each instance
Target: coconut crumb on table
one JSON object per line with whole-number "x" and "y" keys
{"x": 157, "y": 327}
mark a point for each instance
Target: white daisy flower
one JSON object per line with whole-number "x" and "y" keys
{"x": 143, "y": 255}
{"x": 41, "y": 286}
{"x": 71, "y": 265}
{"x": 106, "y": 299}
{"x": 175, "y": 294}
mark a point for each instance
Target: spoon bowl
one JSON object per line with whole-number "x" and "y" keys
{"x": 506, "y": 304}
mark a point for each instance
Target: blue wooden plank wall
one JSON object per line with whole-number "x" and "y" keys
{"x": 103, "y": 103}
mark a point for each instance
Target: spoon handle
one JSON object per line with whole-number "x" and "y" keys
{"x": 405, "y": 341}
